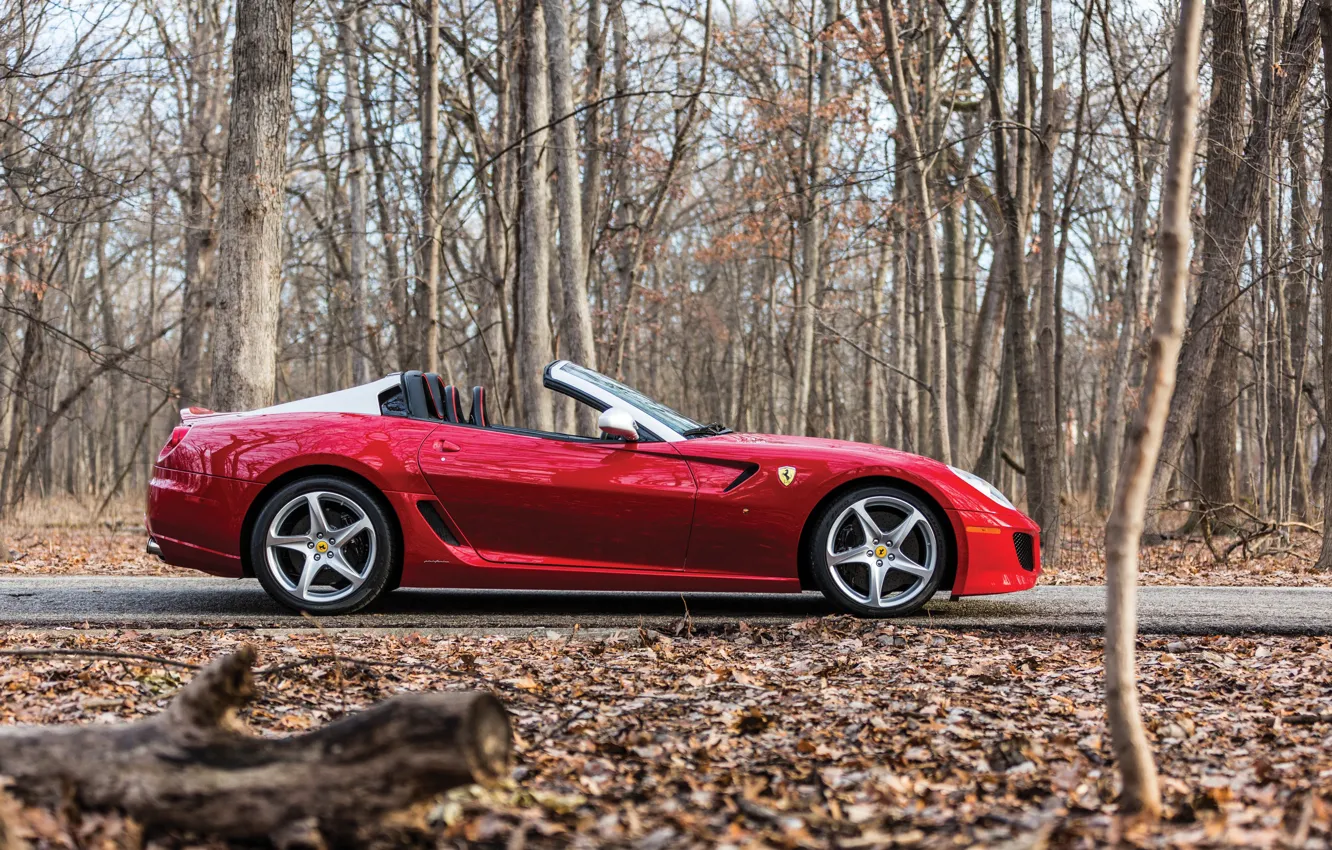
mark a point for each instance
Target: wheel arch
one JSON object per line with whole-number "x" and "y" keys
{"x": 293, "y": 475}
{"x": 806, "y": 569}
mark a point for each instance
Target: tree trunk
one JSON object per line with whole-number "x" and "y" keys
{"x": 1219, "y": 422}
{"x": 873, "y": 371}
{"x": 578, "y": 341}
{"x": 1230, "y": 235}
{"x": 348, "y": 43}
{"x": 249, "y": 282}
{"x": 192, "y": 767}
{"x": 534, "y": 228}
{"x": 1123, "y": 531}
{"x": 929, "y": 247}
{"x": 11, "y": 490}
{"x": 429, "y": 258}
{"x": 1325, "y": 26}
{"x": 811, "y": 223}
{"x": 955, "y": 311}
{"x": 1050, "y": 463}
{"x": 1071, "y": 193}
{"x": 200, "y": 237}
{"x": 1134, "y": 303}
{"x": 397, "y": 306}
{"x": 1299, "y": 318}
{"x": 595, "y": 62}
{"x": 577, "y": 319}
{"x": 1014, "y": 199}
{"x": 109, "y": 335}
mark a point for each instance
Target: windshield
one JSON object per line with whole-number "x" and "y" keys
{"x": 677, "y": 421}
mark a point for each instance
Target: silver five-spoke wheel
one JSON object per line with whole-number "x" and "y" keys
{"x": 320, "y": 547}
{"x": 881, "y": 552}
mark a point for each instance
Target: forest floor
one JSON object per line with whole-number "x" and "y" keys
{"x": 829, "y": 733}
{"x": 1191, "y": 561}
{"x": 64, "y": 538}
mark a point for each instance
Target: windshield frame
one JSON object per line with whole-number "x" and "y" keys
{"x": 651, "y": 415}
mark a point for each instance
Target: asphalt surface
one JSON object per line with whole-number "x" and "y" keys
{"x": 208, "y": 602}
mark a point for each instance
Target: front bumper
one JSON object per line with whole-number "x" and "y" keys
{"x": 998, "y": 552}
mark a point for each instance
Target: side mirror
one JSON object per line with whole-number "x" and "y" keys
{"x": 618, "y": 423}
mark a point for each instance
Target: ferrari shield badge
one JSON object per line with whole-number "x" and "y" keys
{"x": 786, "y": 474}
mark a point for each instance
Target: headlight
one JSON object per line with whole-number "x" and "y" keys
{"x": 982, "y": 485}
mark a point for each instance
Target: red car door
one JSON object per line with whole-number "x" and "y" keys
{"x": 521, "y": 498}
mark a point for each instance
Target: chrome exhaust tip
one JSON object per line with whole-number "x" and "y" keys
{"x": 153, "y": 548}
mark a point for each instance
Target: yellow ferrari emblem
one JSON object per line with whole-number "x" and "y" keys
{"x": 881, "y": 552}
{"x": 321, "y": 546}
{"x": 786, "y": 474}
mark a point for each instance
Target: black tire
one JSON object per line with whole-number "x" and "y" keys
{"x": 378, "y": 553}
{"x": 855, "y": 575}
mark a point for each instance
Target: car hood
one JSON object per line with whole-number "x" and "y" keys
{"x": 869, "y": 452}
{"x": 832, "y": 461}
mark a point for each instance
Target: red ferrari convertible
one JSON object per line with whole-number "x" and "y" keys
{"x": 333, "y": 500}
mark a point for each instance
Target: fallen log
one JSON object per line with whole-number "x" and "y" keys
{"x": 193, "y": 767}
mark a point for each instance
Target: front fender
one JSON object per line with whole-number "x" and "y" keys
{"x": 970, "y": 515}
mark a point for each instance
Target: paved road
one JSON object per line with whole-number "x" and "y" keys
{"x": 199, "y": 602}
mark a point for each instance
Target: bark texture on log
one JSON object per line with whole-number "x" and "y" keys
{"x": 193, "y": 768}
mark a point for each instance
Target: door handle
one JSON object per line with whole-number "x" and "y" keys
{"x": 446, "y": 446}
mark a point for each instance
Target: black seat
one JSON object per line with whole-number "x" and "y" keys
{"x": 435, "y": 392}
{"x": 414, "y": 386}
{"x": 452, "y": 406}
{"x": 478, "y": 416}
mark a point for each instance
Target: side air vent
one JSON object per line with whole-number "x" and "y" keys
{"x": 742, "y": 477}
{"x": 441, "y": 528}
{"x": 1026, "y": 554}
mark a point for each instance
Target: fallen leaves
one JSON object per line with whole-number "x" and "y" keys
{"x": 1188, "y": 561}
{"x": 82, "y": 550}
{"x": 834, "y": 733}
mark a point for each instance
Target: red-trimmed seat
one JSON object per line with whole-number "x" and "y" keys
{"x": 434, "y": 395}
{"x": 478, "y": 416}
{"x": 453, "y": 406}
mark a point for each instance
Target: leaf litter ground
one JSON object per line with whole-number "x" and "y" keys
{"x": 829, "y": 733}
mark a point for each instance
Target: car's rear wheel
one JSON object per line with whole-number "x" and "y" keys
{"x": 322, "y": 544}
{"x": 878, "y": 552}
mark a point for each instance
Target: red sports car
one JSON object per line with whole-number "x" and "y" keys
{"x": 335, "y": 499}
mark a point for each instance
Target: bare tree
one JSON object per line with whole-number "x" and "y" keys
{"x": 809, "y": 180}
{"x": 428, "y": 258}
{"x": 1325, "y": 27}
{"x": 1282, "y": 94}
{"x": 921, "y": 189}
{"x": 253, "y": 180}
{"x": 348, "y": 44}
{"x": 736, "y": 225}
{"x": 534, "y": 228}
{"x": 1219, "y": 421}
{"x": 1123, "y": 530}
{"x": 577, "y": 320}
{"x": 1050, "y": 464}
{"x": 201, "y": 73}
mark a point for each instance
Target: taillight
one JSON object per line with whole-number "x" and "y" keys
{"x": 177, "y": 434}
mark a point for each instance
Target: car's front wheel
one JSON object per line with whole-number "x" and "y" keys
{"x": 878, "y": 552}
{"x": 322, "y": 544}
